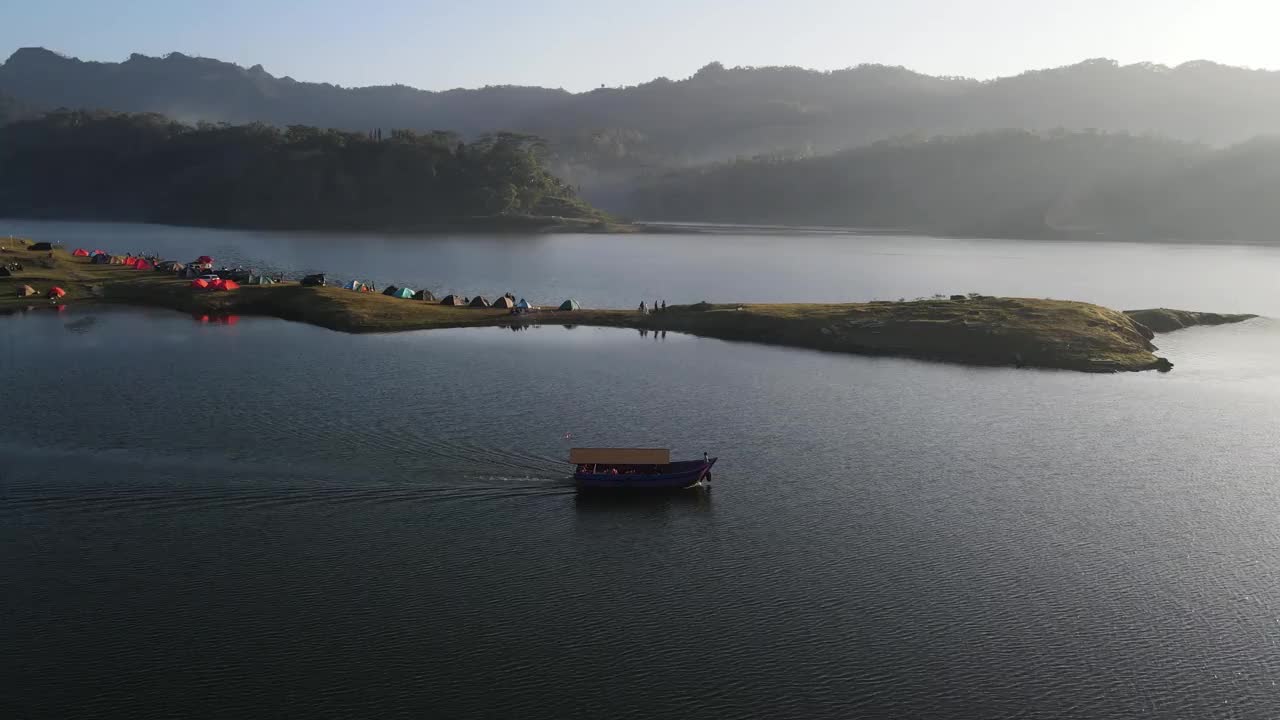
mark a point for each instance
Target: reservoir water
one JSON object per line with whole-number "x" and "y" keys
{"x": 266, "y": 519}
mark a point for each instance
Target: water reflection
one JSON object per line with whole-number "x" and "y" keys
{"x": 611, "y": 505}
{"x": 207, "y": 319}
{"x": 82, "y": 325}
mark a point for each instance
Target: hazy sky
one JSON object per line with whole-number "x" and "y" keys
{"x": 579, "y": 45}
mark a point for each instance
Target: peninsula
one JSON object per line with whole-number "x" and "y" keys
{"x": 969, "y": 329}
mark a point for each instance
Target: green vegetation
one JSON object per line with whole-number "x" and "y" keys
{"x": 965, "y": 329}
{"x": 147, "y": 168}
{"x": 1008, "y": 183}
{"x": 1164, "y": 320}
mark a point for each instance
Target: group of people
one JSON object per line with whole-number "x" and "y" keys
{"x": 652, "y": 308}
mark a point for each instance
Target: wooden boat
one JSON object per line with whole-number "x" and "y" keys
{"x": 636, "y": 469}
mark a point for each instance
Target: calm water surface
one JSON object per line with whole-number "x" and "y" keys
{"x": 622, "y": 270}
{"x": 272, "y": 520}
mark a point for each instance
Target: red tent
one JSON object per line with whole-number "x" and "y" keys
{"x": 204, "y": 260}
{"x": 200, "y": 284}
{"x": 56, "y": 292}
{"x": 98, "y": 252}
{"x": 142, "y": 264}
{"x": 81, "y": 252}
{"x": 227, "y": 285}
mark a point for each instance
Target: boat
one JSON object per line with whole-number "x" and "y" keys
{"x": 637, "y": 469}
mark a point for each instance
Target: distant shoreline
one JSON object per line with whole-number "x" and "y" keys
{"x": 548, "y": 225}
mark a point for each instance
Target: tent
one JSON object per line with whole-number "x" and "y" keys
{"x": 41, "y": 247}
{"x": 199, "y": 284}
{"x": 98, "y": 252}
{"x": 524, "y": 305}
{"x": 424, "y": 295}
{"x": 170, "y": 266}
{"x": 454, "y": 300}
{"x": 4, "y": 272}
{"x": 259, "y": 280}
{"x": 80, "y": 252}
{"x": 26, "y": 291}
{"x": 117, "y": 260}
{"x": 101, "y": 259}
{"x": 479, "y": 302}
{"x": 390, "y": 290}
{"x": 504, "y": 302}
{"x": 142, "y": 264}
{"x": 354, "y": 285}
{"x": 204, "y": 260}
{"x": 314, "y": 280}
{"x": 226, "y": 285}
{"x": 570, "y": 304}
{"x": 403, "y": 293}
{"x": 56, "y": 292}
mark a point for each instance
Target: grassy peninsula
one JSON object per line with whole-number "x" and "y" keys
{"x": 978, "y": 330}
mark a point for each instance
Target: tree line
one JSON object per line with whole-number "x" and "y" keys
{"x": 1007, "y": 183}
{"x": 149, "y": 168}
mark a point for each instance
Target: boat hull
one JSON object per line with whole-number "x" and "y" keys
{"x": 682, "y": 475}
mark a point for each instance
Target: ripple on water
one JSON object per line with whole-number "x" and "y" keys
{"x": 269, "y": 519}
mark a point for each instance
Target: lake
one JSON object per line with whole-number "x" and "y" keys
{"x": 621, "y": 270}
{"x": 267, "y": 519}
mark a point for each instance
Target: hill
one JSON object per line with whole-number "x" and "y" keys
{"x": 607, "y": 136}
{"x": 1009, "y": 183}
{"x": 148, "y": 168}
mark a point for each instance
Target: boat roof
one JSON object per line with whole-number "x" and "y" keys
{"x": 620, "y": 456}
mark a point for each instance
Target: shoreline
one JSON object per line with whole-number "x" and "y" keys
{"x": 969, "y": 330}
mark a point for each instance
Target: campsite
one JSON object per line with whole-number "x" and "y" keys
{"x": 198, "y": 286}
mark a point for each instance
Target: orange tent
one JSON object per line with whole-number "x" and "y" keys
{"x": 199, "y": 284}
{"x": 81, "y": 252}
{"x": 227, "y": 285}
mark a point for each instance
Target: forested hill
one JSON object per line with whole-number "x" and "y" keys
{"x": 146, "y": 167}
{"x": 1010, "y": 183}
{"x": 12, "y": 109}
{"x": 717, "y": 113}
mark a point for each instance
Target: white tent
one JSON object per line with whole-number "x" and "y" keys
{"x": 524, "y": 305}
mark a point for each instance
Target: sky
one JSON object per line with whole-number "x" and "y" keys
{"x": 581, "y": 45}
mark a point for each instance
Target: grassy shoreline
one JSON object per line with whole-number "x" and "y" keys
{"x": 971, "y": 330}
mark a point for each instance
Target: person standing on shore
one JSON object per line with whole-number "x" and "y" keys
{"x": 641, "y": 307}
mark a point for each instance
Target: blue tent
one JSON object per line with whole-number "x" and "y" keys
{"x": 354, "y": 285}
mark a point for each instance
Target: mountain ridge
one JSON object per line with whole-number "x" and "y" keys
{"x": 604, "y": 140}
